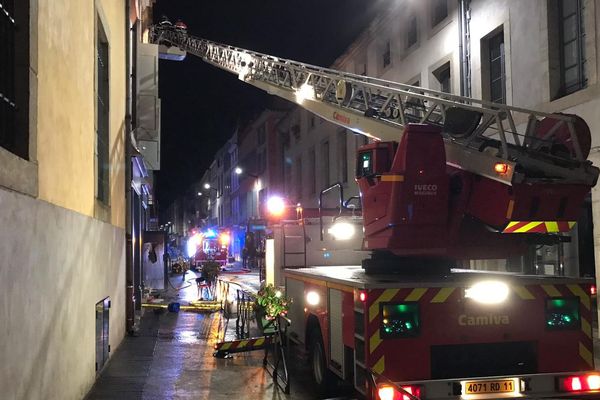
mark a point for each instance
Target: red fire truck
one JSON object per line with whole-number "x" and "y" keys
{"x": 211, "y": 245}
{"x": 447, "y": 179}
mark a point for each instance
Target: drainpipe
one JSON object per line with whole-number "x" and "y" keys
{"x": 464, "y": 17}
{"x": 129, "y": 296}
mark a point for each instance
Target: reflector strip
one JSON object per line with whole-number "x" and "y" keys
{"x": 586, "y": 355}
{"x": 374, "y": 341}
{"x": 586, "y": 328}
{"x": 551, "y": 291}
{"x": 387, "y": 295}
{"x": 442, "y": 295}
{"x": 537, "y": 226}
{"x": 523, "y": 293}
{"x": 392, "y": 178}
{"x": 416, "y": 294}
{"x": 579, "y": 292}
{"x": 379, "y": 366}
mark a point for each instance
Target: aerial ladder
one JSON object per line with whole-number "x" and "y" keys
{"x": 447, "y": 176}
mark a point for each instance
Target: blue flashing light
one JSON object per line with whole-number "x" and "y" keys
{"x": 210, "y": 233}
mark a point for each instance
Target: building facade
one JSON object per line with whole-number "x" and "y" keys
{"x": 62, "y": 193}
{"x": 538, "y": 54}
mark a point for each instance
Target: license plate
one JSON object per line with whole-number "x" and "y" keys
{"x": 489, "y": 387}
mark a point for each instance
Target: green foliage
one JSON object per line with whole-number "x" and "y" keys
{"x": 273, "y": 301}
{"x": 211, "y": 269}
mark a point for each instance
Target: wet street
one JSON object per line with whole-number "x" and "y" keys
{"x": 171, "y": 357}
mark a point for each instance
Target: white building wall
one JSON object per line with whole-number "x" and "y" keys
{"x": 56, "y": 265}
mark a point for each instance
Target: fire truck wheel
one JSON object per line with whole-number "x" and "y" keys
{"x": 318, "y": 363}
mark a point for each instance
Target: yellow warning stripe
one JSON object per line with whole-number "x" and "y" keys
{"x": 392, "y": 178}
{"x": 579, "y": 292}
{"x": 552, "y": 227}
{"x": 387, "y": 295}
{"x": 586, "y": 328}
{"x": 374, "y": 341}
{"x": 226, "y": 346}
{"x": 241, "y": 344}
{"x": 528, "y": 227}
{"x": 259, "y": 341}
{"x": 523, "y": 293}
{"x": 379, "y": 366}
{"x": 415, "y": 294}
{"x": 572, "y": 224}
{"x": 586, "y": 354}
{"x": 442, "y": 295}
{"x": 551, "y": 290}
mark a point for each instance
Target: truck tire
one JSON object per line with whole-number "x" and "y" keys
{"x": 318, "y": 362}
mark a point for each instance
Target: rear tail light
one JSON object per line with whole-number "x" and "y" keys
{"x": 501, "y": 168}
{"x": 387, "y": 392}
{"x": 362, "y": 296}
{"x": 580, "y": 383}
{"x": 593, "y": 290}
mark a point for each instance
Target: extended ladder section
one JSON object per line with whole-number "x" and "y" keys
{"x": 533, "y": 146}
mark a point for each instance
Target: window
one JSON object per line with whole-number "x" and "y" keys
{"x": 571, "y": 44}
{"x": 325, "y": 165}
{"x": 312, "y": 169}
{"x": 261, "y": 133}
{"x": 387, "y": 54}
{"x": 102, "y": 114}
{"x": 439, "y": 11}
{"x": 299, "y": 183}
{"x": 342, "y": 156}
{"x": 287, "y": 173}
{"x": 361, "y": 68}
{"x": 497, "y": 74}
{"x": 261, "y": 157}
{"x": 442, "y": 74}
{"x": 14, "y": 76}
{"x": 411, "y": 31}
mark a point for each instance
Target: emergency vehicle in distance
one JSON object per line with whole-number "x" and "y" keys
{"x": 447, "y": 178}
{"x": 208, "y": 245}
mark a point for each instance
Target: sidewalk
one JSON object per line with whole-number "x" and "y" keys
{"x": 171, "y": 357}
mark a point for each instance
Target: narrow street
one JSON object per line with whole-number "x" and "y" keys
{"x": 171, "y": 357}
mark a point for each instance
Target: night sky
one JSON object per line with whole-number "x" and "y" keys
{"x": 201, "y": 105}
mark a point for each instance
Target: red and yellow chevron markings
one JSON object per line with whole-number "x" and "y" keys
{"x": 538, "y": 226}
{"x": 585, "y": 343}
{"x": 431, "y": 295}
{"x": 242, "y": 345}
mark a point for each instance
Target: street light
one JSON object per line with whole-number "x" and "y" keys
{"x": 199, "y": 193}
{"x": 208, "y": 187}
{"x": 239, "y": 171}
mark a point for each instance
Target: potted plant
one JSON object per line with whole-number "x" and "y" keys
{"x": 271, "y": 302}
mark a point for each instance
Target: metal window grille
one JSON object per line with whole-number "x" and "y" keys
{"x": 102, "y": 115}
{"x": 572, "y": 57}
{"x": 497, "y": 71}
